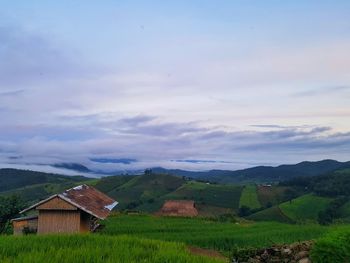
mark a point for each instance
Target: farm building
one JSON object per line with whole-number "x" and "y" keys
{"x": 179, "y": 208}
{"x": 75, "y": 210}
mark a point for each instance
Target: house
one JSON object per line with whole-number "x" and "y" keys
{"x": 185, "y": 208}
{"x": 76, "y": 210}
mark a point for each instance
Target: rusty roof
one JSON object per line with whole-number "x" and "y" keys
{"x": 85, "y": 198}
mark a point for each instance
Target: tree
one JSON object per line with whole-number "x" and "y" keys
{"x": 289, "y": 194}
{"x": 244, "y": 211}
{"x": 9, "y": 208}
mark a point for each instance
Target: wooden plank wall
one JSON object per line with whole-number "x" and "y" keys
{"x": 56, "y": 204}
{"x": 18, "y": 226}
{"x": 58, "y": 221}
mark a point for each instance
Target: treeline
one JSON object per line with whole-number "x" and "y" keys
{"x": 335, "y": 184}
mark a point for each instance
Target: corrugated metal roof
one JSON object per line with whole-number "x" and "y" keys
{"x": 85, "y": 198}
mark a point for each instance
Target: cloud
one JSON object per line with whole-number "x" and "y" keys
{"x": 139, "y": 142}
{"x": 333, "y": 90}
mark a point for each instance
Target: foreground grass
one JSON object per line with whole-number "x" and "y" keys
{"x": 209, "y": 234}
{"x": 94, "y": 248}
{"x": 334, "y": 247}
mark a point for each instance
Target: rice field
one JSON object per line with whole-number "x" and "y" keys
{"x": 211, "y": 234}
{"x": 94, "y": 248}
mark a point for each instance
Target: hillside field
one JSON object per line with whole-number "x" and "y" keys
{"x": 305, "y": 208}
{"x": 249, "y": 197}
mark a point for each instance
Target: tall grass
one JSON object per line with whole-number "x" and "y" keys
{"x": 334, "y": 247}
{"x": 210, "y": 234}
{"x": 93, "y": 248}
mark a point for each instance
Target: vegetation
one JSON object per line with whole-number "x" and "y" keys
{"x": 33, "y": 186}
{"x": 249, "y": 197}
{"x": 334, "y": 247}
{"x": 305, "y": 208}
{"x": 9, "y": 208}
{"x": 271, "y": 214}
{"x": 222, "y": 236}
{"x": 94, "y": 248}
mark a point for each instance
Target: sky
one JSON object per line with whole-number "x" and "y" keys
{"x": 123, "y": 85}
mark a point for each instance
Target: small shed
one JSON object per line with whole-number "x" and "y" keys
{"x": 186, "y": 208}
{"x": 76, "y": 210}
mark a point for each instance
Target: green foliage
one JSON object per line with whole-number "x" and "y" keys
{"x": 333, "y": 211}
{"x": 305, "y": 208}
{"x": 249, "y": 197}
{"x": 334, "y": 247}
{"x": 222, "y": 236}
{"x": 94, "y": 248}
{"x": 9, "y": 208}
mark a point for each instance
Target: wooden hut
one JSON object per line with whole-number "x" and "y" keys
{"x": 75, "y": 210}
{"x": 185, "y": 208}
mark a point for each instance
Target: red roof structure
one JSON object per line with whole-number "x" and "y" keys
{"x": 86, "y": 198}
{"x": 185, "y": 208}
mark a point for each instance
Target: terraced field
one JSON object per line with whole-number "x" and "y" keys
{"x": 249, "y": 197}
{"x": 305, "y": 208}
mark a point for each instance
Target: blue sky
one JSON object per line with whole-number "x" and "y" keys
{"x": 186, "y": 84}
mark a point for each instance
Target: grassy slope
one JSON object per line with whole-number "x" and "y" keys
{"x": 209, "y": 194}
{"x": 305, "y": 208}
{"x": 94, "y": 248}
{"x": 249, "y": 197}
{"x": 345, "y": 210}
{"x": 270, "y": 214}
{"x": 210, "y": 234}
{"x": 142, "y": 189}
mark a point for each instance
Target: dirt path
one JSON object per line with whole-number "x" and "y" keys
{"x": 207, "y": 252}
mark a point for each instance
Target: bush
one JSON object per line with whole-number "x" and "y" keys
{"x": 335, "y": 248}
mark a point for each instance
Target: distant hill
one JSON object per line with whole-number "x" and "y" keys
{"x": 32, "y": 186}
{"x": 261, "y": 174}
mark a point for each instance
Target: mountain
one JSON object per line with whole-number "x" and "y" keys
{"x": 261, "y": 174}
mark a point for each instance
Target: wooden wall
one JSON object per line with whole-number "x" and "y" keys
{"x": 19, "y": 225}
{"x": 56, "y": 204}
{"x": 58, "y": 221}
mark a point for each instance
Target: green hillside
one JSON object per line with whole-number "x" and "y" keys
{"x": 249, "y": 197}
{"x": 270, "y": 214}
{"x": 143, "y": 189}
{"x": 33, "y": 186}
{"x": 305, "y": 208}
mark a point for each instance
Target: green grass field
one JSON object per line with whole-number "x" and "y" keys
{"x": 94, "y": 248}
{"x": 270, "y": 214}
{"x": 305, "y": 208}
{"x": 210, "y": 234}
{"x": 249, "y": 197}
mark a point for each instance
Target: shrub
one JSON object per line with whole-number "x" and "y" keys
{"x": 334, "y": 247}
